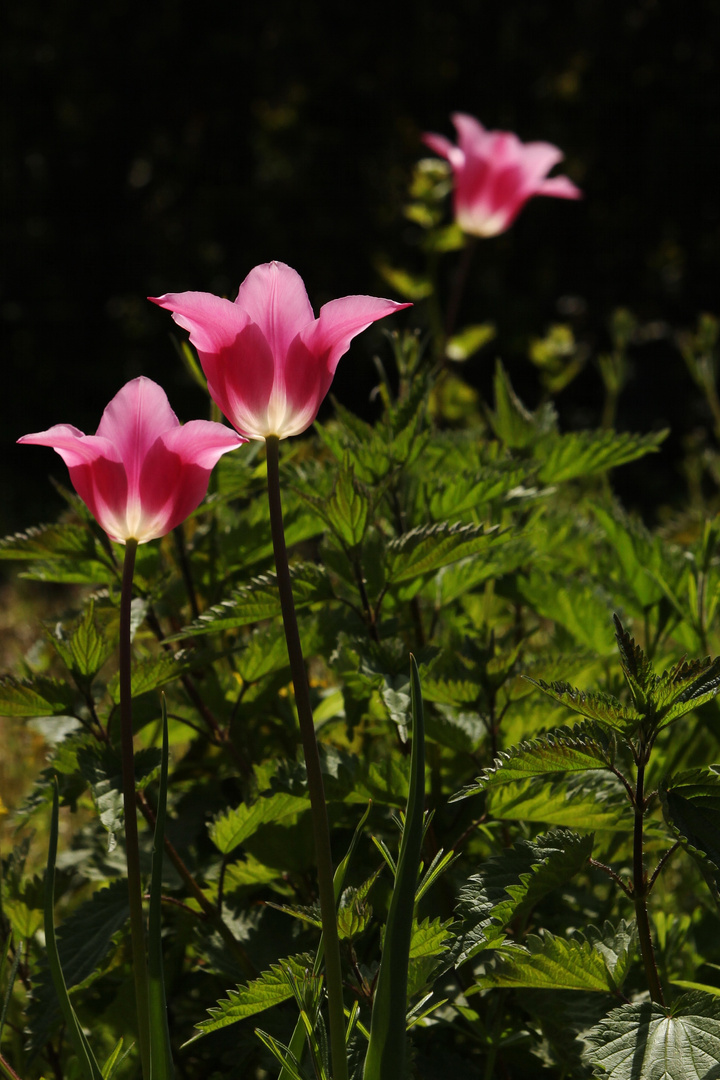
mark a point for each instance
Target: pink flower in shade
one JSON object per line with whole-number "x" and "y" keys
{"x": 268, "y": 361}
{"x": 495, "y": 174}
{"x": 142, "y": 473}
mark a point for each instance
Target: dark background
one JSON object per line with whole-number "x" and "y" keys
{"x": 169, "y": 146}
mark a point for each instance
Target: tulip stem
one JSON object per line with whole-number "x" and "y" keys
{"x": 132, "y": 849}
{"x": 321, "y": 828}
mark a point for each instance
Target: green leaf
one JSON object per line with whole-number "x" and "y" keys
{"x": 161, "y": 1063}
{"x": 578, "y": 604}
{"x": 691, "y": 806}
{"x": 270, "y": 988}
{"x": 465, "y": 344}
{"x": 584, "y": 453}
{"x": 510, "y": 884}
{"x": 102, "y": 768}
{"x": 513, "y": 424}
{"x": 558, "y": 751}
{"x": 647, "y": 1042}
{"x": 260, "y": 600}
{"x": 232, "y": 828}
{"x": 153, "y": 673}
{"x": 51, "y": 542}
{"x": 411, "y": 286}
{"x": 264, "y": 653}
{"x": 428, "y": 547}
{"x": 554, "y": 963}
{"x": 83, "y": 645}
{"x": 586, "y": 800}
{"x": 598, "y": 706}
{"x": 687, "y": 686}
{"x": 348, "y": 507}
{"x": 429, "y": 937}
{"x": 37, "y": 696}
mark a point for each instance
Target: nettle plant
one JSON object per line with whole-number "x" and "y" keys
{"x": 376, "y": 816}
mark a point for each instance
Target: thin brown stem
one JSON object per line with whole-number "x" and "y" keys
{"x": 641, "y": 889}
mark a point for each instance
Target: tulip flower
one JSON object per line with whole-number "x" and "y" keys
{"x": 142, "y": 473}
{"x": 268, "y": 361}
{"x": 495, "y": 175}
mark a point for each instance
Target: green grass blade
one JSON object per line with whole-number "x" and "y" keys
{"x": 86, "y": 1059}
{"x": 161, "y": 1064}
{"x": 386, "y": 1052}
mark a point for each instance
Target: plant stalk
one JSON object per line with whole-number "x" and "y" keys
{"x": 321, "y": 828}
{"x": 640, "y": 888}
{"x": 132, "y": 849}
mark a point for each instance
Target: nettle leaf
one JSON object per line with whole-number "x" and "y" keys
{"x": 153, "y": 673}
{"x": 50, "y": 542}
{"x": 512, "y": 883}
{"x": 232, "y": 828}
{"x": 513, "y": 424}
{"x": 271, "y": 988}
{"x": 36, "y": 696}
{"x": 458, "y": 579}
{"x": 101, "y": 767}
{"x": 562, "y": 750}
{"x": 84, "y": 938}
{"x": 554, "y": 963}
{"x": 83, "y": 644}
{"x": 691, "y": 807}
{"x": 595, "y": 705}
{"x": 687, "y": 686}
{"x": 463, "y": 345}
{"x": 430, "y": 937}
{"x": 259, "y": 600}
{"x": 584, "y": 453}
{"x": 264, "y": 653}
{"x": 348, "y": 507}
{"x": 581, "y": 606}
{"x": 648, "y": 1042}
{"x": 585, "y": 800}
{"x": 637, "y": 554}
{"x": 470, "y": 491}
{"x": 428, "y": 547}
{"x": 638, "y": 669}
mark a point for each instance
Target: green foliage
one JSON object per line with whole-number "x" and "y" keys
{"x": 484, "y": 539}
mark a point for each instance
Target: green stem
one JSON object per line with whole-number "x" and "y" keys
{"x": 132, "y": 849}
{"x": 641, "y": 889}
{"x": 7, "y": 1070}
{"x": 321, "y": 828}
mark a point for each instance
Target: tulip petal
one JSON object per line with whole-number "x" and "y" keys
{"x": 560, "y": 187}
{"x": 241, "y": 378}
{"x": 444, "y": 148}
{"x": 274, "y": 297}
{"x": 213, "y": 323}
{"x": 340, "y": 321}
{"x": 538, "y": 158}
{"x": 201, "y": 442}
{"x": 132, "y": 420}
{"x": 72, "y": 445}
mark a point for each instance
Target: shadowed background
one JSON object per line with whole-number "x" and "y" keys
{"x": 165, "y": 147}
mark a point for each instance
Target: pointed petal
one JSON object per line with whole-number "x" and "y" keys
{"x": 273, "y": 296}
{"x": 201, "y": 442}
{"x": 560, "y": 187}
{"x": 444, "y": 148}
{"x": 538, "y": 158}
{"x": 72, "y": 445}
{"x": 339, "y": 322}
{"x": 472, "y": 136}
{"x": 213, "y": 323}
{"x": 133, "y": 420}
{"x": 240, "y": 380}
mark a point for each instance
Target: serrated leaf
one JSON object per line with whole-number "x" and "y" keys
{"x": 512, "y": 883}
{"x": 515, "y": 425}
{"x": 553, "y": 963}
{"x": 687, "y": 686}
{"x": 586, "y": 800}
{"x": 578, "y": 604}
{"x": 428, "y": 547}
{"x": 429, "y": 937}
{"x": 151, "y": 674}
{"x": 264, "y": 653}
{"x": 232, "y": 828}
{"x": 348, "y": 507}
{"x": 37, "y": 696}
{"x": 557, "y": 751}
{"x": 584, "y": 453}
{"x": 83, "y": 644}
{"x": 259, "y": 600}
{"x": 102, "y": 768}
{"x": 84, "y": 939}
{"x": 61, "y": 541}
{"x": 271, "y": 988}
{"x": 647, "y": 1042}
{"x": 595, "y": 705}
{"x": 691, "y": 807}
{"x": 638, "y": 669}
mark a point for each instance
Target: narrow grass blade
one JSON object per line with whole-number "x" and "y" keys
{"x": 11, "y": 979}
{"x": 386, "y": 1052}
{"x": 297, "y": 1041}
{"x": 86, "y": 1059}
{"x": 161, "y": 1064}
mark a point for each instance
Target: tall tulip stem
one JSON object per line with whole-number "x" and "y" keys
{"x": 132, "y": 850}
{"x": 321, "y": 828}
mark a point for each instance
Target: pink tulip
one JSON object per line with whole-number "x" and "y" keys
{"x": 142, "y": 473}
{"x": 495, "y": 175}
{"x": 268, "y": 361}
